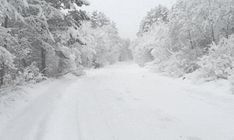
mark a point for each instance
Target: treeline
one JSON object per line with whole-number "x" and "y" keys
{"x": 49, "y": 38}
{"x": 194, "y": 36}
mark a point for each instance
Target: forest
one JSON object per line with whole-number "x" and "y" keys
{"x": 69, "y": 73}
{"x": 41, "y": 39}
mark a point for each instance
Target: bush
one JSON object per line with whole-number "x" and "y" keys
{"x": 219, "y": 62}
{"x": 30, "y": 74}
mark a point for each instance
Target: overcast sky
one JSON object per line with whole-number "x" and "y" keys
{"x": 127, "y": 14}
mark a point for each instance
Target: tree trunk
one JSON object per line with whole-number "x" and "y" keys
{"x": 212, "y": 33}
{"x": 211, "y": 25}
{"x": 190, "y": 40}
{"x": 2, "y": 73}
{"x": 227, "y": 31}
{"x": 43, "y": 60}
{"x": 5, "y": 25}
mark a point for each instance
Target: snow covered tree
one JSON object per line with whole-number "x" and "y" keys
{"x": 199, "y": 23}
{"x": 154, "y": 16}
{"x": 9, "y": 10}
{"x": 152, "y": 36}
{"x": 194, "y": 25}
{"x": 67, "y": 4}
{"x": 66, "y": 34}
{"x": 54, "y": 33}
{"x": 31, "y": 32}
{"x": 99, "y": 19}
{"x": 153, "y": 45}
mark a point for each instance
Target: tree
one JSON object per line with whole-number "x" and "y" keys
{"x": 99, "y": 19}
{"x": 199, "y": 23}
{"x": 153, "y": 45}
{"x": 154, "y": 16}
{"x": 56, "y": 33}
{"x": 152, "y": 33}
{"x": 29, "y": 32}
{"x": 9, "y": 9}
{"x": 67, "y": 4}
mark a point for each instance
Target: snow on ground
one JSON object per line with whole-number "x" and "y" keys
{"x": 122, "y": 102}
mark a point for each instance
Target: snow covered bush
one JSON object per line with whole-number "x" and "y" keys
{"x": 30, "y": 74}
{"x": 219, "y": 62}
{"x": 70, "y": 60}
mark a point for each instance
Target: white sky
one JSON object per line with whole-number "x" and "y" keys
{"x": 127, "y": 14}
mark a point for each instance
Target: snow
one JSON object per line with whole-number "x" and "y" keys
{"x": 121, "y": 102}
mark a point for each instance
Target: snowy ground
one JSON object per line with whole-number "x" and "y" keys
{"x": 121, "y": 102}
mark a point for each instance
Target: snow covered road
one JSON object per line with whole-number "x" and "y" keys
{"x": 124, "y": 102}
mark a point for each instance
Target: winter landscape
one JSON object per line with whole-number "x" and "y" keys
{"x": 117, "y": 70}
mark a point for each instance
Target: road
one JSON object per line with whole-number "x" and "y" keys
{"x": 123, "y": 102}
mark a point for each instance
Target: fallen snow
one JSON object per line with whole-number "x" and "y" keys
{"x": 120, "y": 102}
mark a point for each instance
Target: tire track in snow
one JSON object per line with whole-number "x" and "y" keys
{"x": 31, "y": 122}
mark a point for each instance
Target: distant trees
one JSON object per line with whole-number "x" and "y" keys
{"x": 180, "y": 44}
{"x": 102, "y": 37}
